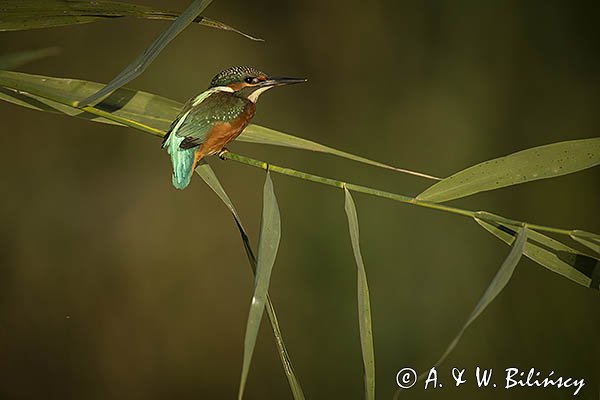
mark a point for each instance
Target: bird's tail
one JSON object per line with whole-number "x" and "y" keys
{"x": 182, "y": 160}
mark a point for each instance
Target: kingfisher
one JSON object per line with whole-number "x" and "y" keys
{"x": 215, "y": 117}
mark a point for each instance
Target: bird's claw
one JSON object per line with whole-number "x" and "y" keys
{"x": 221, "y": 154}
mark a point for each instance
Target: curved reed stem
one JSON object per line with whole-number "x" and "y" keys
{"x": 387, "y": 195}
{"x": 339, "y": 184}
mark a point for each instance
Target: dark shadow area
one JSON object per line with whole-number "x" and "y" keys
{"x": 585, "y": 264}
{"x": 116, "y": 100}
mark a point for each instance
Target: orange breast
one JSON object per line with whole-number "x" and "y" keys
{"x": 224, "y": 132}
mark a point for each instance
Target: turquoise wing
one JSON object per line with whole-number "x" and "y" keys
{"x": 183, "y": 158}
{"x": 191, "y": 127}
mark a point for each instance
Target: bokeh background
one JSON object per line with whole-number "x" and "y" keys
{"x": 115, "y": 285}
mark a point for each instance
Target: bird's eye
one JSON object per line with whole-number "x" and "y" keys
{"x": 249, "y": 80}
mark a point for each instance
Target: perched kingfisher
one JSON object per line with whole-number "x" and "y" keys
{"x": 215, "y": 117}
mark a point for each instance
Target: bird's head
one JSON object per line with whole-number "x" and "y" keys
{"x": 249, "y": 82}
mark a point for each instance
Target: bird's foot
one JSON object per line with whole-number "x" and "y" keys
{"x": 221, "y": 154}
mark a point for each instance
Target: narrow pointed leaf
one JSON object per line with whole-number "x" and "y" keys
{"x": 262, "y": 135}
{"x": 541, "y": 162}
{"x": 549, "y": 253}
{"x": 587, "y": 239}
{"x": 268, "y": 243}
{"x": 141, "y": 107}
{"x": 140, "y": 64}
{"x": 15, "y": 60}
{"x": 220, "y": 25}
{"x": 59, "y": 93}
{"x": 496, "y": 286}
{"x": 499, "y": 282}
{"x": 209, "y": 177}
{"x": 364, "y": 302}
{"x": 33, "y": 14}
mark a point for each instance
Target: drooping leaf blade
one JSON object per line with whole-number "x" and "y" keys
{"x": 364, "y": 302}
{"x": 33, "y": 14}
{"x": 268, "y": 243}
{"x": 499, "y": 282}
{"x": 207, "y": 174}
{"x": 156, "y": 112}
{"x": 540, "y": 162}
{"x": 15, "y": 60}
{"x": 587, "y": 239}
{"x": 140, "y": 64}
{"x": 549, "y": 253}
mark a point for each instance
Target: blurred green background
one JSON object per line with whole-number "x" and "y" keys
{"x": 115, "y": 285}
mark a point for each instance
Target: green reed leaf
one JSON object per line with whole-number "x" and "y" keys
{"x": 499, "y": 282}
{"x": 33, "y": 14}
{"x": 15, "y": 60}
{"x": 589, "y": 240}
{"x": 140, "y": 64}
{"x": 58, "y": 95}
{"x": 541, "y": 162}
{"x": 268, "y": 243}
{"x": 262, "y": 135}
{"x": 549, "y": 253}
{"x": 364, "y": 302}
{"x": 151, "y": 110}
{"x": 209, "y": 177}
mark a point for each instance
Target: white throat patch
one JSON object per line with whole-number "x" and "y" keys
{"x": 254, "y": 95}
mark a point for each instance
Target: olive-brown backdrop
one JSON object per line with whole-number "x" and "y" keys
{"x": 113, "y": 285}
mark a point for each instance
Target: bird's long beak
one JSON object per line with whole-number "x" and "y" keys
{"x": 280, "y": 81}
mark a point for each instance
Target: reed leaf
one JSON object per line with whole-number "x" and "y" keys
{"x": 364, "y": 302}
{"x": 262, "y": 135}
{"x": 499, "y": 282}
{"x": 20, "y": 15}
{"x": 589, "y": 240}
{"x": 59, "y": 95}
{"x": 552, "y": 254}
{"x": 541, "y": 162}
{"x": 207, "y": 174}
{"x": 268, "y": 243}
{"x": 15, "y": 60}
{"x": 139, "y": 65}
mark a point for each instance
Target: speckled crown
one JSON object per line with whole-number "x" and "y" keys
{"x": 234, "y": 74}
